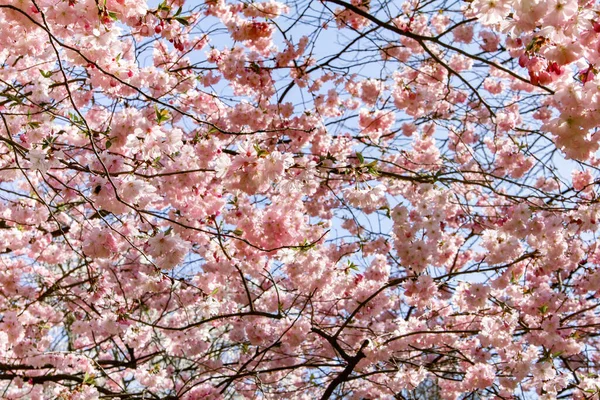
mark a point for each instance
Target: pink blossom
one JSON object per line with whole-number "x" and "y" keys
{"x": 582, "y": 179}
{"x": 479, "y": 376}
{"x": 491, "y": 11}
{"x": 490, "y": 41}
{"x": 100, "y": 244}
{"x": 227, "y": 199}
{"x": 560, "y": 11}
{"x": 37, "y": 159}
{"x": 370, "y": 90}
{"x": 376, "y": 123}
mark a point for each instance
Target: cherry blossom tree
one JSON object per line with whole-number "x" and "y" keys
{"x": 308, "y": 199}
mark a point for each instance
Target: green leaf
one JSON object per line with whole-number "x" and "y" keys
{"x": 352, "y": 266}
{"x": 305, "y": 246}
{"x": 154, "y": 370}
{"x": 388, "y": 212}
{"x": 330, "y": 157}
{"x": 74, "y": 118}
{"x": 260, "y": 152}
{"x": 164, "y": 6}
{"x": 513, "y": 278}
{"x": 238, "y": 232}
{"x": 182, "y": 20}
{"x": 46, "y": 74}
{"x": 245, "y": 348}
{"x": 108, "y": 144}
{"x": 48, "y": 142}
{"x": 360, "y": 157}
{"x": 162, "y": 115}
{"x": 372, "y": 168}
{"x": 100, "y": 214}
{"x": 255, "y": 68}
{"x": 88, "y": 379}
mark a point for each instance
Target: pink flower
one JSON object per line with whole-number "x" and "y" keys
{"x": 463, "y": 33}
{"x": 560, "y": 11}
{"x": 375, "y": 123}
{"x": 368, "y": 199}
{"x": 479, "y": 376}
{"x": 490, "y": 40}
{"x": 221, "y": 165}
{"x": 582, "y": 179}
{"x": 491, "y": 12}
{"x": 37, "y": 160}
{"x": 472, "y": 296}
{"x": 493, "y": 86}
{"x": 11, "y": 325}
{"x": 167, "y": 250}
{"x": 100, "y": 244}
{"x": 370, "y": 90}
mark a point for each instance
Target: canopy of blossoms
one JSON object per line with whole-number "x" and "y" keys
{"x": 228, "y": 199}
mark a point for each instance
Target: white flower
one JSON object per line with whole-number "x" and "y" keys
{"x": 221, "y": 165}
{"x": 208, "y": 307}
{"x": 55, "y": 159}
{"x": 275, "y": 165}
{"x": 491, "y": 12}
{"x": 37, "y": 159}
